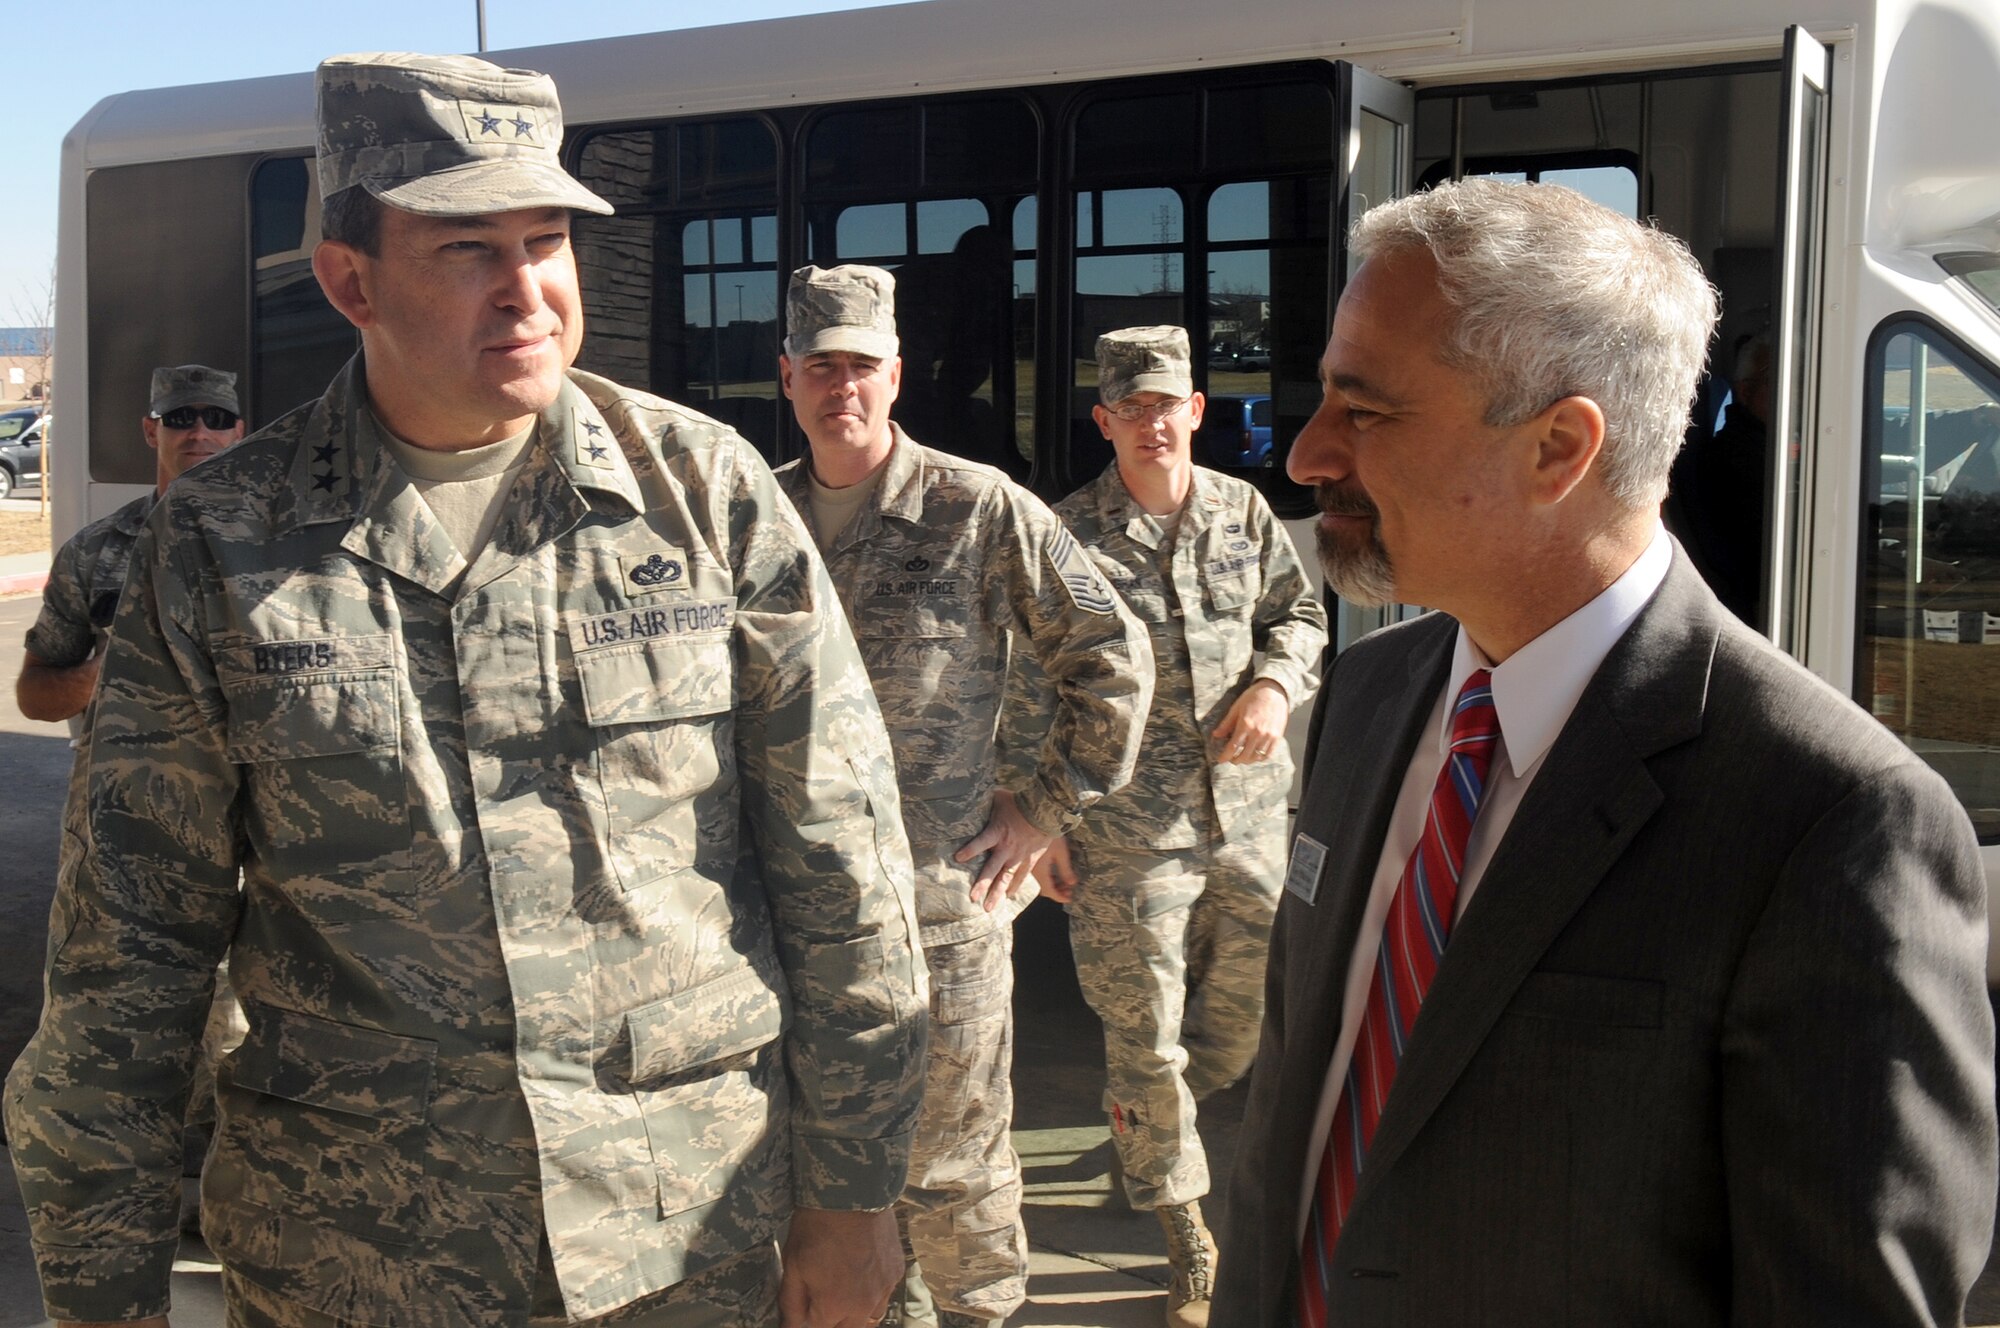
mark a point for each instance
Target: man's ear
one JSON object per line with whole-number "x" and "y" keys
{"x": 1568, "y": 441}
{"x": 152, "y": 428}
{"x": 343, "y": 274}
{"x": 785, "y": 375}
{"x": 1103, "y": 418}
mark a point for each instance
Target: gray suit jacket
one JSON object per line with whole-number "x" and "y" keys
{"x": 1710, "y": 1045}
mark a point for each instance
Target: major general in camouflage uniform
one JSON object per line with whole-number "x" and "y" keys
{"x": 1173, "y": 881}
{"x": 945, "y": 566}
{"x": 192, "y": 413}
{"x": 576, "y": 931}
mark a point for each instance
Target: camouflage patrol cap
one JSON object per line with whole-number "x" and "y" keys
{"x": 180, "y": 385}
{"x": 850, "y": 308}
{"x": 443, "y": 135}
{"x": 1143, "y": 359}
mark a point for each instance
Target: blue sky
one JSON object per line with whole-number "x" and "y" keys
{"x": 65, "y": 55}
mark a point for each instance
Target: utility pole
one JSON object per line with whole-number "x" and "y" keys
{"x": 480, "y": 6}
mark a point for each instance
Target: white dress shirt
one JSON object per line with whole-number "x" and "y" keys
{"x": 1534, "y": 692}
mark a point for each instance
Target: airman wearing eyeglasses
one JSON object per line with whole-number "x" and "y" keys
{"x": 1172, "y": 882}
{"x": 193, "y": 414}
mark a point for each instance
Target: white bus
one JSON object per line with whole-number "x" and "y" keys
{"x": 1037, "y": 171}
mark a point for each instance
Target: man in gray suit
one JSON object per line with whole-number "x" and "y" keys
{"x": 1689, "y": 1027}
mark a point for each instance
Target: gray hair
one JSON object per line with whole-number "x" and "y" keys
{"x": 1557, "y": 296}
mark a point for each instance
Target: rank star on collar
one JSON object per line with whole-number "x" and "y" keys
{"x": 593, "y": 439}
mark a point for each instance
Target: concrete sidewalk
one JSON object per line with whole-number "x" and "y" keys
{"x": 24, "y": 573}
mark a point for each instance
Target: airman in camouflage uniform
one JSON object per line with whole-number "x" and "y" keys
{"x": 89, "y": 570}
{"x": 1173, "y": 881}
{"x": 576, "y": 931}
{"x": 945, "y": 567}
{"x": 192, "y": 413}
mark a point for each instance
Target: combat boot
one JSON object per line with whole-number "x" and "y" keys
{"x": 1191, "y": 1257}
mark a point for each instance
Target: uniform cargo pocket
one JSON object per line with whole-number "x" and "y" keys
{"x": 713, "y": 1081}
{"x": 664, "y": 749}
{"x": 327, "y": 1121}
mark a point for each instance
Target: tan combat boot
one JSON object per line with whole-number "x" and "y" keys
{"x": 1191, "y": 1256}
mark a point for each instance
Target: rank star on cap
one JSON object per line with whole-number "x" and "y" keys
{"x": 522, "y": 127}
{"x": 489, "y": 123}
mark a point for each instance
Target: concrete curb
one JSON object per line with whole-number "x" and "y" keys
{"x": 23, "y": 583}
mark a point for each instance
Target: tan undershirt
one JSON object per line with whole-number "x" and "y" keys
{"x": 832, "y": 509}
{"x": 466, "y": 491}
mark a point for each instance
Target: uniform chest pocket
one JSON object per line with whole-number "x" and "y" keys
{"x": 315, "y": 723}
{"x": 1148, "y": 601}
{"x": 1229, "y": 593}
{"x": 661, "y": 714}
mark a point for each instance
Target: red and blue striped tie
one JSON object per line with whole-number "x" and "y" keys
{"x": 1413, "y": 939}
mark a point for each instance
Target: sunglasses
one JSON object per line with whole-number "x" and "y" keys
{"x": 215, "y": 417}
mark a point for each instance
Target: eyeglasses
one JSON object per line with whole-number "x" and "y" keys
{"x": 1132, "y": 412}
{"x": 215, "y": 417}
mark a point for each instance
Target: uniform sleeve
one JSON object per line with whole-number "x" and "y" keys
{"x": 1290, "y": 624}
{"x": 819, "y": 791}
{"x": 62, "y": 634}
{"x": 146, "y": 902}
{"x": 1857, "y": 1055}
{"x": 1096, "y": 657}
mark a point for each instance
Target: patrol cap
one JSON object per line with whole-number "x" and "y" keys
{"x": 1143, "y": 359}
{"x": 192, "y": 385}
{"x": 850, "y": 308}
{"x": 443, "y": 135}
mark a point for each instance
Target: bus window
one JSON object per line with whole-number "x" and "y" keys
{"x": 1929, "y": 632}
{"x": 1220, "y": 226}
{"x": 680, "y": 286}
{"x": 299, "y": 341}
{"x": 942, "y": 194}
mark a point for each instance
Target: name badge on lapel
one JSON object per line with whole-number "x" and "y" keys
{"x": 1302, "y": 876}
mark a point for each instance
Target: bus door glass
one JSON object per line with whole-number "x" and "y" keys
{"x": 681, "y": 284}
{"x": 941, "y": 192}
{"x": 1377, "y": 121}
{"x": 1206, "y": 201}
{"x": 1795, "y": 339}
{"x": 1928, "y": 642}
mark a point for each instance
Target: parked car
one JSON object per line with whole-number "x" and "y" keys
{"x": 1236, "y": 433}
{"x": 21, "y": 433}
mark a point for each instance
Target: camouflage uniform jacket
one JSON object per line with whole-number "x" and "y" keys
{"x": 84, "y": 583}
{"x": 1228, "y": 587}
{"x": 575, "y": 902}
{"x": 940, "y": 574}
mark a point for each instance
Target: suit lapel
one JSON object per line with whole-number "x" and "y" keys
{"x": 1591, "y": 797}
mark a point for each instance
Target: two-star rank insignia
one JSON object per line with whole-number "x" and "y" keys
{"x": 490, "y": 121}
{"x": 594, "y": 444}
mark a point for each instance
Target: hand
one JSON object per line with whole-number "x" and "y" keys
{"x": 1254, "y": 726}
{"x": 839, "y": 1269}
{"x": 1055, "y": 874}
{"x": 1012, "y": 846}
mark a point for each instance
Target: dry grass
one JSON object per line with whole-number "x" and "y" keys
{"x": 23, "y": 532}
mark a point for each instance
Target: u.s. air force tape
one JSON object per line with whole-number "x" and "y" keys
{"x": 1079, "y": 577}
{"x": 617, "y": 627}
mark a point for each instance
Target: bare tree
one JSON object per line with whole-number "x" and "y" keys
{"x": 34, "y": 312}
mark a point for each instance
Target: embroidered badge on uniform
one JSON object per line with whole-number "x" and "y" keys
{"x": 1302, "y": 876}
{"x": 594, "y": 444}
{"x": 1087, "y": 589}
{"x": 496, "y": 122}
{"x": 662, "y": 570}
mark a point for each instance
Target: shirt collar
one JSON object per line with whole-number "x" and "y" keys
{"x": 1538, "y": 686}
